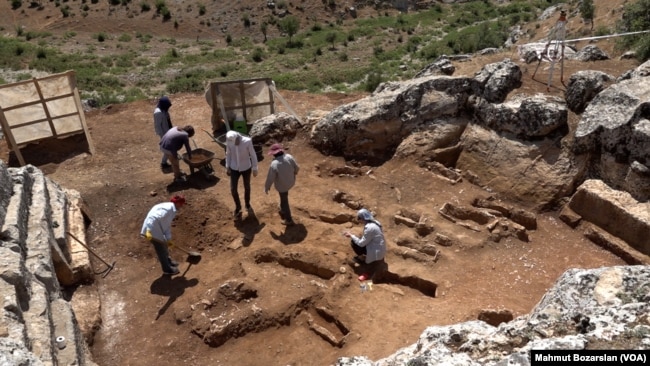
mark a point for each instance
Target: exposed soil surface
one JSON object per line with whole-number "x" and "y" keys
{"x": 292, "y": 296}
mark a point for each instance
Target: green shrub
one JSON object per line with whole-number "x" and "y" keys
{"x": 372, "y": 81}
{"x": 160, "y": 4}
{"x": 189, "y": 82}
{"x": 643, "y": 50}
{"x": 166, "y": 14}
{"x": 634, "y": 18}
{"x": 144, "y": 7}
{"x": 23, "y": 76}
{"x": 602, "y": 31}
{"x": 257, "y": 55}
{"x": 124, "y": 37}
{"x": 15, "y": 4}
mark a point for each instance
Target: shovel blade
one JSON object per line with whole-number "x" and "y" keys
{"x": 193, "y": 259}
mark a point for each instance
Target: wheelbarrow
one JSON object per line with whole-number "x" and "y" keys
{"x": 201, "y": 161}
{"x": 220, "y": 140}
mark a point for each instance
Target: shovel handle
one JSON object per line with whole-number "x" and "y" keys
{"x": 190, "y": 253}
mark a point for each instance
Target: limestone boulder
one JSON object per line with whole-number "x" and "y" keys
{"x": 498, "y": 79}
{"x": 597, "y": 203}
{"x": 527, "y": 117}
{"x": 276, "y": 127}
{"x": 539, "y": 172}
{"x": 583, "y": 86}
{"x": 641, "y": 71}
{"x": 590, "y": 53}
{"x": 441, "y": 66}
{"x": 616, "y": 122}
{"x": 373, "y": 127}
{"x": 583, "y": 308}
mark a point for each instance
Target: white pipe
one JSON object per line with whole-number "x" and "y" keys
{"x": 607, "y": 36}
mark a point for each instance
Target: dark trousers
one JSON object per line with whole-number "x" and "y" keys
{"x": 357, "y": 249}
{"x": 285, "y": 211}
{"x": 234, "y": 182}
{"x": 163, "y": 256}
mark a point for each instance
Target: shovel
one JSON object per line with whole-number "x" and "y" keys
{"x": 192, "y": 254}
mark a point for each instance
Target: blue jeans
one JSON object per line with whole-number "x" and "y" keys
{"x": 163, "y": 257}
{"x": 234, "y": 181}
{"x": 285, "y": 211}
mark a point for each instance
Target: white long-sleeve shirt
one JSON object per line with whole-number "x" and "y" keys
{"x": 241, "y": 157}
{"x": 373, "y": 240}
{"x": 159, "y": 221}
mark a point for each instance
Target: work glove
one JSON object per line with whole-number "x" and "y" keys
{"x": 254, "y": 173}
{"x": 147, "y": 235}
{"x": 228, "y": 172}
{"x": 170, "y": 244}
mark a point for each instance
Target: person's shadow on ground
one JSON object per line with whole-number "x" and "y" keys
{"x": 291, "y": 235}
{"x": 250, "y": 226}
{"x": 173, "y": 287}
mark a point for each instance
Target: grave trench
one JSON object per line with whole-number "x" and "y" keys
{"x": 323, "y": 322}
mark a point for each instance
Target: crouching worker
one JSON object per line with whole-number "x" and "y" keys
{"x": 370, "y": 249}
{"x": 157, "y": 228}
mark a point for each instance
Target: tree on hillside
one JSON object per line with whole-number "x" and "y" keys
{"x": 290, "y": 26}
{"x": 331, "y": 38}
{"x": 263, "y": 28}
{"x": 587, "y": 11}
{"x": 635, "y": 18}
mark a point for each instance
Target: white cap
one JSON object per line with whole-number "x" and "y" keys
{"x": 232, "y": 135}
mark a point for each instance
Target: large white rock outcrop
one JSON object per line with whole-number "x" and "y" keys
{"x": 598, "y": 306}
{"x": 35, "y": 260}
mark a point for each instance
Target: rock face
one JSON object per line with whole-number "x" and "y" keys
{"x": 373, "y": 127}
{"x": 598, "y": 306}
{"x": 524, "y": 117}
{"x": 506, "y": 164}
{"x": 520, "y": 144}
{"x": 35, "y": 259}
{"x": 616, "y": 122}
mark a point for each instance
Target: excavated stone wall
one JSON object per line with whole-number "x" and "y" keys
{"x": 37, "y": 257}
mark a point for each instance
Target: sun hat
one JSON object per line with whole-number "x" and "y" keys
{"x": 178, "y": 199}
{"x": 276, "y": 148}
{"x": 232, "y": 135}
{"x": 364, "y": 214}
